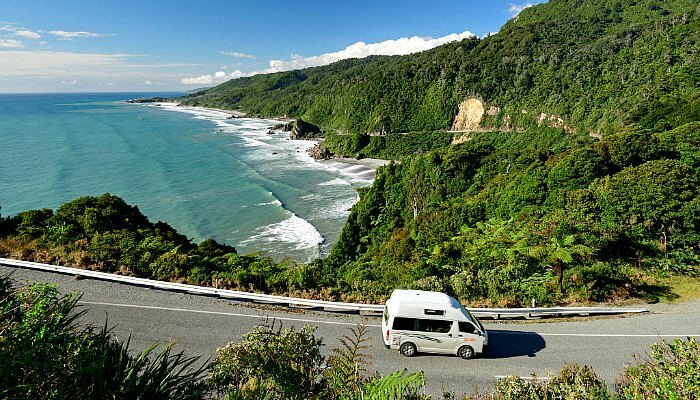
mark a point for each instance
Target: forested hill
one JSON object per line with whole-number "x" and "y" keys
{"x": 594, "y": 65}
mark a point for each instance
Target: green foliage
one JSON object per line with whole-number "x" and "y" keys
{"x": 391, "y": 146}
{"x": 486, "y": 219}
{"x": 347, "y": 364}
{"x": 573, "y": 382}
{"x": 108, "y": 234}
{"x": 396, "y": 386}
{"x": 46, "y": 354}
{"x": 270, "y": 363}
{"x": 276, "y": 363}
{"x": 33, "y": 222}
{"x": 669, "y": 372}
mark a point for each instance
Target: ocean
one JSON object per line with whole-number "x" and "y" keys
{"x": 204, "y": 174}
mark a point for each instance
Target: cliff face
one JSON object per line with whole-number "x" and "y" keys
{"x": 469, "y": 115}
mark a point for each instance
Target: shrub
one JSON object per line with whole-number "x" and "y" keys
{"x": 46, "y": 354}
{"x": 671, "y": 371}
{"x": 574, "y": 382}
{"x": 270, "y": 363}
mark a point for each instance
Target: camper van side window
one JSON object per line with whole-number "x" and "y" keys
{"x": 404, "y": 324}
{"x": 434, "y": 325}
{"x": 466, "y": 327}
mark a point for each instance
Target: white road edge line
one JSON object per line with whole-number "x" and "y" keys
{"x": 539, "y": 378}
{"x": 623, "y": 335}
{"x": 222, "y": 313}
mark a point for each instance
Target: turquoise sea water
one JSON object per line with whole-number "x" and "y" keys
{"x": 205, "y": 175}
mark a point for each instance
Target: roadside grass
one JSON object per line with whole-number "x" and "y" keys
{"x": 682, "y": 288}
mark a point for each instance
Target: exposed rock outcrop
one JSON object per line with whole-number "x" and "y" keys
{"x": 553, "y": 121}
{"x": 319, "y": 152}
{"x": 287, "y": 127}
{"x": 469, "y": 116}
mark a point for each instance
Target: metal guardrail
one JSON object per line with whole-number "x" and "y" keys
{"x": 334, "y": 306}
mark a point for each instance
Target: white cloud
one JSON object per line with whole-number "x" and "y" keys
{"x": 19, "y": 32}
{"x": 237, "y": 54}
{"x": 358, "y": 50}
{"x": 401, "y": 46}
{"x": 218, "y": 77}
{"x": 55, "y": 71}
{"x": 23, "y": 63}
{"x": 65, "y": 35}
{"x": 27, "y": 34}
{"x": 515, "y": 9}
{"x": 11, "y": 44}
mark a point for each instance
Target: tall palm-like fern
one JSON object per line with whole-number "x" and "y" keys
{"x": 348, "y": 364}
{"x": 397, "y": 386}
{"x": 557, "y": 254}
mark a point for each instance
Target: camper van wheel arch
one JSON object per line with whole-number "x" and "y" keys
{"x": 466, "y": 352}
{"x": 408, "y": 349}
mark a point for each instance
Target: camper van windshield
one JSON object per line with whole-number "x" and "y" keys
{"x": 473, "y": 318}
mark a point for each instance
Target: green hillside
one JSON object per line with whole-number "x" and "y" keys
{"x": 597, "y": 65}
{"x": 578, "y": 182}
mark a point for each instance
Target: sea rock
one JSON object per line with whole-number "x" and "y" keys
{"x": 319, "y": 152}
{"x": 282, "y": 127}
{"x": 304, "y": 130}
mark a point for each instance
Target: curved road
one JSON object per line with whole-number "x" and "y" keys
{"x": 199, "y": 325}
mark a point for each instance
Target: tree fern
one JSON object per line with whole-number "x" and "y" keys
{"x": 396, "y": 386}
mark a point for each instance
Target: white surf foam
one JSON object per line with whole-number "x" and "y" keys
{"x": 275, "y": 201}
{"x": 335, "y": 182}
{"x": 340, "y": 208}
{"x": 294, "y": 230}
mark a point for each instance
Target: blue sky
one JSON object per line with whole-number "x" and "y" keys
{"x": 129, "y": 45}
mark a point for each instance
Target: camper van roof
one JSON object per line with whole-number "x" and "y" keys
{"x": 423, "y": 296}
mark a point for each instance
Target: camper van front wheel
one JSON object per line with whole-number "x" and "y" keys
{"x": 466, "y": 352}
{"x": 408, "y": 349}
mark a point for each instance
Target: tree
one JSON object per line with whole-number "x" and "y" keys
{"x": 559, "y": 253}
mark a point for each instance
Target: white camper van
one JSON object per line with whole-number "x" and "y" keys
{"x": 431, "y": 322}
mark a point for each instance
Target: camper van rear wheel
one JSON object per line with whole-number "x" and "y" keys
{"x": 408, "y": 349}
{"x": 466, "y": 352}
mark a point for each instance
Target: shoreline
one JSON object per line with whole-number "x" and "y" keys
{"x": 232, "y": 113}
{"x": 353, "y": 172}
{"x": 364, "y": 168}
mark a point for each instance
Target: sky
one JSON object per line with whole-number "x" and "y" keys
{"x": 179, "y": 45}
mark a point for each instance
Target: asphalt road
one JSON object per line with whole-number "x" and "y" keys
{"x": 200, "y": 325}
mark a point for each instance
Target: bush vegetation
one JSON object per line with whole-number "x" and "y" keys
{"x": 46, "y": 354}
